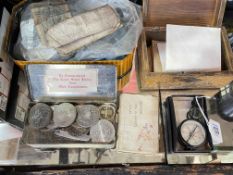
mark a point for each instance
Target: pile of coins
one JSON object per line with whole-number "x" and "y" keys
{"x": 82, "y": 122}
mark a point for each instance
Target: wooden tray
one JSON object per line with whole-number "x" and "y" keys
{"x": 158, "y": 13}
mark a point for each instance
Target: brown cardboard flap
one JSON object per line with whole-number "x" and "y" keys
{"x": 183, "y": 12}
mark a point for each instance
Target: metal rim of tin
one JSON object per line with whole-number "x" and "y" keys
{"x": 104, "y": 111}
{"x": 103, "y": 132}
{"x": 88, "y": 115}
{"x": 35, "y": 74}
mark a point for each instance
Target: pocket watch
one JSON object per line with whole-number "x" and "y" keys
{"x": 192, "y": 134}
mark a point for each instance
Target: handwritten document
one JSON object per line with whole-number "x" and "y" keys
{"x": 138, "y": 124}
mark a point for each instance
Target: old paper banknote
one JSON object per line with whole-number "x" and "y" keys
{"x": 93, "y": 25}
{"x": 47, "y": 14}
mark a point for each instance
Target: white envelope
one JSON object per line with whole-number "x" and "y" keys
{"x": 190, "y": 48}
{"x": 162, "y": 53}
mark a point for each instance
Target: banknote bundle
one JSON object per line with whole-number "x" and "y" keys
{"x": 59, "y": 29}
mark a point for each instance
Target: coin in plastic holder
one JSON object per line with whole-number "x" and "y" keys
{"x": 102, "y": 132}
{"x": 88, "y": 115}
{"x": 107, "y": 111}
{"x": 40, "y": 115}
{"x": 64, "y": 114}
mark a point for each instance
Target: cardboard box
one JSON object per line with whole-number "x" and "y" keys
{"x": 157, "y": 14}
{"x": 123, "y": 66}
{"x": 6, "y": 65}
{"x": 18, "y": 99}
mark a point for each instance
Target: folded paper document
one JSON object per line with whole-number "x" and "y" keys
{"x": 83, "y": 29}
{"x": 138, "y": 124}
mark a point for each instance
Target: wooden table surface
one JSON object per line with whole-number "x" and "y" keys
{"x": 126, "y": 170}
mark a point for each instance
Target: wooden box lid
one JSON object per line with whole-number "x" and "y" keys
{"x": 183, "y": 12}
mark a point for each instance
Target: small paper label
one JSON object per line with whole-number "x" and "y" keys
{"x": 215, "y": 131}
{"x": 3, "y": 102}
{"x": 67, "y": 81}
{"x": 20, "y": 114}
{"x": 23, "y": 101}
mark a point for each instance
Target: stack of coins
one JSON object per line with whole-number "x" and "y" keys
{"x": 91, "y": 121}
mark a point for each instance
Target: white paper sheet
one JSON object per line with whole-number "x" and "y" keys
{"x": 8, "y": 132}
{"x": 190, "y": 48}
{"x": 138, "y": 124}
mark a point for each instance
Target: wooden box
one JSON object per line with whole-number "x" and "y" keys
{"x": 158, "y": 13}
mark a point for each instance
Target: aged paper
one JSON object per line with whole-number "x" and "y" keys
{"x": 46, "y": 15}
{"x": 162, "y": 53}
{"x": 42, "y": 11}
{"x": 9, "y": 151}
{"x": 101, "y": 20}
{"x": 156, "y": 57}
{"x": 69, "y": 48}
{"x": 138, "y": 124}
{"x": 44, "y": 26}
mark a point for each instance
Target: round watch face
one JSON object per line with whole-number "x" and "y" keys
{"x": 192, "y": 133}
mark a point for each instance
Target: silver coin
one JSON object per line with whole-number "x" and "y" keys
{"x": 75, "y": 130}
{"x": 64, "y": 114}
{"x": 102, "y": 132}
{"x": 107, "y": 111}
{"x": 65, "y": 134}
{"x": 88, "y": 115}
{"x": 40, "y": 116}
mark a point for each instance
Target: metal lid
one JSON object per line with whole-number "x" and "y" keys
{"x": 71, "y": 83}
